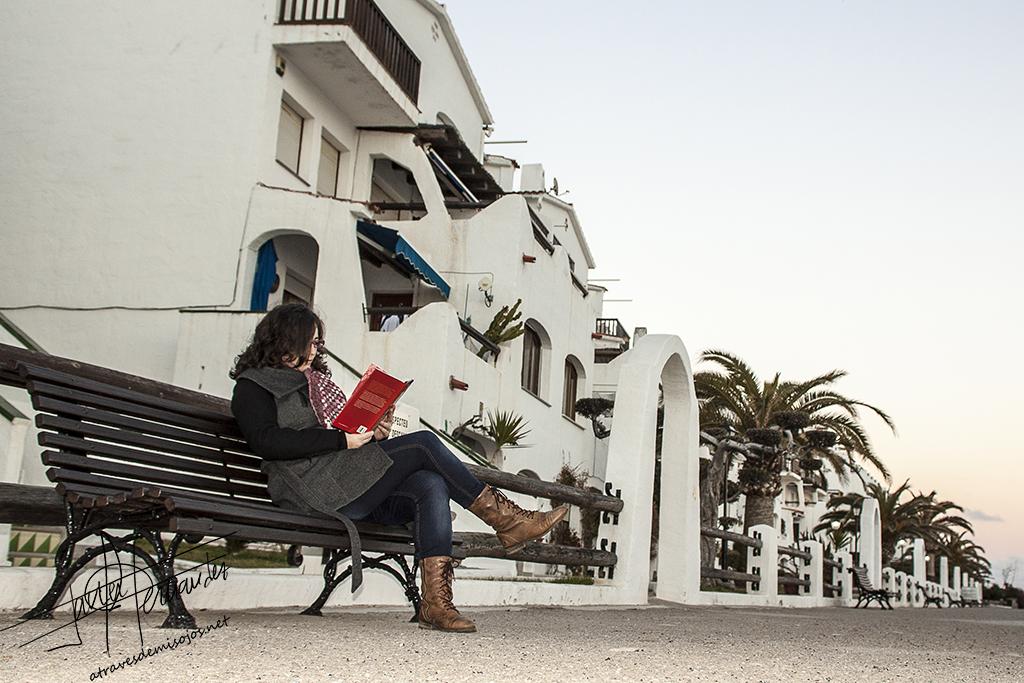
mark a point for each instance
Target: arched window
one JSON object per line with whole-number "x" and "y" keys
{"x": 569, "y": 388}
{"x": 531, "y": 361}
{"x": 792, "y": 495}
{"x": 286, "y": 268}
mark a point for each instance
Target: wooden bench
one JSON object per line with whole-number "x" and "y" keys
{"x": 970, "y": 596}
{"x": 145, "y": 459}
{"x": 866, "y": 592}
{"x": 937, "y": 600}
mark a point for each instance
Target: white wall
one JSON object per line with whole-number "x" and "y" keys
{"x": 128, "y": 130}
{"x": 443, "y": 87}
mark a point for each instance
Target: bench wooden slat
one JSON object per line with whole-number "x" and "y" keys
{"x": 140, "y": 476}
{"x": 180, "y": 501}
{"x": 196, "y": 459}
{"x": 11, "y": 357}
{"x": 73, "y": 480}
{"x": 164, "y": 463}
{"x": 34, "y": 372}
{"x": 55, "y": 406}
{"x": 129, "y": 408}
{"x": 139, "y": 494}
{"x": 269, "y": 516}
{"x": 213, "y": 528}
{"x": 210, "y": 527}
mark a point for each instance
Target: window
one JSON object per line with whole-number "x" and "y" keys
{"x": 289, "y": 138}
{"x": 531, "y": 361}
{"x": 297, "y": 289}
{"x": 569, "y": 390}
{"x": 327, "y": 176}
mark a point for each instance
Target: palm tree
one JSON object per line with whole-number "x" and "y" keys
{"x": 968, "y": 555}
{"x": 734, "y": 400}
{"x": 902, "y": 517}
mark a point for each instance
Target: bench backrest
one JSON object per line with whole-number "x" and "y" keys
{"x": 971, "y": 593}
{"x": 99, "y": 437}
{"x": 860, "y": 576}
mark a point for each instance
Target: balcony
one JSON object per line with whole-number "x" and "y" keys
{"x": 351, "y": 50}
{"x": 610, "y": 340}
{"x": 472, "y": 338}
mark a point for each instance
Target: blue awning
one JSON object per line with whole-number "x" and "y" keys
{"x": 389, "y": 240}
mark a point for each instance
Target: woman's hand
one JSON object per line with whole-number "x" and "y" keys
{"x": 383, "y": 428}
{"x": 357, "y": 440}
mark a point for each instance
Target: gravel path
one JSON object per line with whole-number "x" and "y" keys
{"x": 655, "y": 643}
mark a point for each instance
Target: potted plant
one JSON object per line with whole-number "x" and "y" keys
{"x": 505, "y": 428}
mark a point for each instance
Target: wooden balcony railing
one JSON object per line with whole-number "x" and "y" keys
{"x": 467, "y": 329}
{"x": 611, "y": 327}
{"x": 370, "y": 24}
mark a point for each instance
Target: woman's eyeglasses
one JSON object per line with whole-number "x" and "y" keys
{"x": 318, "y": 344}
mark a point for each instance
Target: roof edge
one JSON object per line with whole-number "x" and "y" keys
{"x": 439, "y": 11}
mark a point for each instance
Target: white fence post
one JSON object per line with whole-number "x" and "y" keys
{"x": 903, "y": 582}
{"x": 944, "y": 591}
{"x": 957, "y": 594}
{"x": 764, "y": 561}
{"x": 920, "y": 574}
{"x": 889, "y": 580}
{"x": 841, "y": 576}
{"x": 813, "y": 570}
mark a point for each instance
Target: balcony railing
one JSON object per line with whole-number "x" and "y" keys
{"x": 611, "y": 327}
{"x": 370, "y": 24}
{"x": 467, "y": 329}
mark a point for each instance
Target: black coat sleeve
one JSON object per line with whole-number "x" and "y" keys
{"x": 256, "y": 414}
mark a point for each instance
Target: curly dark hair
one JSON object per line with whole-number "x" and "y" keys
{"x": 286, "y": 330}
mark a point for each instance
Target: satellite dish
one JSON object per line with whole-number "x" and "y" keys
{"x": 486, "y": 282}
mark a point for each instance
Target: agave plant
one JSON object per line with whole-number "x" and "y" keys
{"x": 506, "y": 428}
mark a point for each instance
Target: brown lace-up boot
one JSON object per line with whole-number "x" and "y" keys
{"x": 515, "y": 526}
{"x": 436, "y": 608}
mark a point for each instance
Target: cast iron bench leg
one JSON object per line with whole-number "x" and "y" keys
{"x": 406, "y": 577}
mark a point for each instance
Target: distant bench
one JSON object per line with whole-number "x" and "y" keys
{"x": 867, "y": 593}
{"x": 131, "y": 454}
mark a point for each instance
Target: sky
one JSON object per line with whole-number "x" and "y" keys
{"x": 810, "y": 185}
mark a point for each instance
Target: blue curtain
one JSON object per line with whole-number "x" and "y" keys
{"x": 266, "y": 271}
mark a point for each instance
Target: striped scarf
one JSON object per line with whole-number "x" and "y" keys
{"x": 325, "y": 396}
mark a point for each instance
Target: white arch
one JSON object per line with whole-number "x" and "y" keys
{"x": 245, "y": 285}
{"x": 871, "y": 539}
{"x": 655, "y": 358}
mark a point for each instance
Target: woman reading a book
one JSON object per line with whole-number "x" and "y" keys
{"x": 284, "y": 402}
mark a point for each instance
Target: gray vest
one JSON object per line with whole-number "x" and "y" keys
{"x": 321, "y": 484}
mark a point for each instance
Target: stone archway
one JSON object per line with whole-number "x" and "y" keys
{"x": 871, "y": 539}
{"x": 655, "y": 359}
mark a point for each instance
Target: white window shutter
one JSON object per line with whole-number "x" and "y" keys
{"x": 327, "y": 176}
{"x": 289, "y": 138}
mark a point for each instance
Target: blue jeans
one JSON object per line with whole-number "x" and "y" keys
{"x": 423, "y": 477}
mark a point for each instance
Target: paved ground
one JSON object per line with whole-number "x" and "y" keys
{"x": 655, "y": 643}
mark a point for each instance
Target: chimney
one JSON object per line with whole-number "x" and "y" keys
{"x": 531, "y": 178}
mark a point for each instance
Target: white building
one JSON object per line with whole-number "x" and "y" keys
{"x": 155, "y": 153}
{"x": 173, "y": 169}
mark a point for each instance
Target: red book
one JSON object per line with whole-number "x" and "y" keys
{"x": 376, "y": 392}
